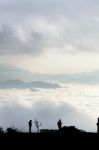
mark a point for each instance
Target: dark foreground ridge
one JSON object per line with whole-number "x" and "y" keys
{"x": 70, "y": 137}
{"x": 50, "y": 138}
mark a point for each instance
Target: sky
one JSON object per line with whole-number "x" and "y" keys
{"x": 46, "y": 36}
{"x": 50, "y": 40}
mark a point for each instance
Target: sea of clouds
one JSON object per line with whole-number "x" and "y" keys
{"x": 75, "y": 104}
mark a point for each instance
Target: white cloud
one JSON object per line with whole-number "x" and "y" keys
{"x": 69, "y": 104}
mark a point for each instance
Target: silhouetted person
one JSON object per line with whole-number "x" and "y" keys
{"x": 30, "y": 125}
{"x": 98, "y": 126}
{"x": 59, "y": 123}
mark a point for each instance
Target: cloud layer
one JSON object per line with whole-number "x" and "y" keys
{"x": 75, "y": 104}
{"x": 32, "y": 27}
{"x": 47, "y": 115}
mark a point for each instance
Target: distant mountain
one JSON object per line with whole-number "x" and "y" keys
{"x": 89, "y": 78}
{"x": 9, "y": 84}
{"x": 8, "y": 72}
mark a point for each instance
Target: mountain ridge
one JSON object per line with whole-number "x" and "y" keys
{"x": 17, "y": 83}
{"x": 12, "y": 73}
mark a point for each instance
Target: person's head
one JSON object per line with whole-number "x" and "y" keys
{"x": 59, "y": 120}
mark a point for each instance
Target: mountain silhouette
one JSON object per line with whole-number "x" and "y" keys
{"x": 9, "y": 84}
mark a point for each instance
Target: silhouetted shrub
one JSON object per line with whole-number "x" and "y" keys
{"x": 12, "y": 130}
{"x": 1, "y": 130}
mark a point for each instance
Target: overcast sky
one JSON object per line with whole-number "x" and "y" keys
{"x": 50, "y": 36}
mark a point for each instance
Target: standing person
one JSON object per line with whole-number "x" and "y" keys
{"x": 59, "y": 123}
{"x": 30, "y": 125}
{"x": 98, "y": 126}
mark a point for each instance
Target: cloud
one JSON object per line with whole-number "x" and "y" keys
{"x": 14, "y": 42}
{"x": 47, "y": 113}
{"x": 72, "y": 104}
{"x": 34, "y": 27}
{"x": 8, "y": 72}
{"x": 48, "y": 7}
{"x": 43, "y": 37}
